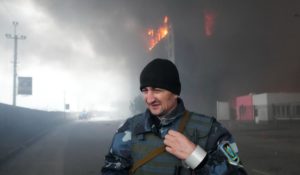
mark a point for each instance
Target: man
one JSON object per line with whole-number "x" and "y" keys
{"x": 168, "y": 139}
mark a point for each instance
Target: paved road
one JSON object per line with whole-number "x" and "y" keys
{"x": 270, "y": 149}
{"x": 71, "y": 149}
{"x": 78, "y": 148}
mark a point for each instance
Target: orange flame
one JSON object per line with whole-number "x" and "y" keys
{"x": 209, "y": 22}
{"x": 154, "y": 36}
{"x": 166, "y": 19}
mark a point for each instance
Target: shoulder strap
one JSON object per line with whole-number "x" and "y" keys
{"x": 184, "y": 121}
{"x": 161, "y": 149}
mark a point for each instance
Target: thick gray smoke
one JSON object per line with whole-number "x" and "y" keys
{"x": 253, "y": 49}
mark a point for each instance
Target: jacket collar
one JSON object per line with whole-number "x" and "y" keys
{"x": 145, "y": 125}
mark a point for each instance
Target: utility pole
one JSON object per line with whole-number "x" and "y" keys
{"x": 15, "y": 37}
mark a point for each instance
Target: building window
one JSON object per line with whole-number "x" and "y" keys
{"x": 298, "y": 110}
{"x": 242, "y": 110}
{"x": 274, "y": 110}
{"x": 255, "y": 111}
{"x": 288, "y": 112}
{"x": 282, "y": 110}
{"x": 277, "y": 110}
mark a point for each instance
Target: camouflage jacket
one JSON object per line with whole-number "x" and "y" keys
{"x": 222, "y": 152}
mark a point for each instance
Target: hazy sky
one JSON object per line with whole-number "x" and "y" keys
{"x": 92, "y": 51}
{"x": 82, "y": 50}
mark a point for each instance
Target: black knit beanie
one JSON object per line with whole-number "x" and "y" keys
{"x": 161, "y": 73}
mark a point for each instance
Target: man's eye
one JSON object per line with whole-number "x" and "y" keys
{"x": 157, "y": 90}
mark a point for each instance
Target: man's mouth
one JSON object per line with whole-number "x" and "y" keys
{"x": 155, "y": 105}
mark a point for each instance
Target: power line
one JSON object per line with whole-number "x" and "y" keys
{"x": 15, "y": 37}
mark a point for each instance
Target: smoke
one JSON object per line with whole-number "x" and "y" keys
{"x": 253, "y": 47}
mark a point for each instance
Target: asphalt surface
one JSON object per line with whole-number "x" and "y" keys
{"x": 270, "y": 149}
{"x": 78, "y": 148}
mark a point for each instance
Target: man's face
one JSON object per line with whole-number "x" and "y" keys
{"x": 159, "y": 101}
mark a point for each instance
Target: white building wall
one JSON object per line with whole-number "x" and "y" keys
{"x": 223, "y": 110}
{"x": 269, "y": 106}
{"x": 284, "y": 106}
{"x": 260, "y": 99}
{"x": 260, "y": 102}
{"x": 279, "y": 98}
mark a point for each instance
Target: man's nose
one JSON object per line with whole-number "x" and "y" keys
{"x": 150, "y": 97}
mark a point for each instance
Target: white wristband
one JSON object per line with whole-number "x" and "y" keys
{"x": 196, "y": 157}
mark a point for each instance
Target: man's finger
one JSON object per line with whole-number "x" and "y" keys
{"x": 167, "y": 142}
{"x": 170, "y": 137}
{"x": 169, "y": 149}
{"x": 174, "y": 133}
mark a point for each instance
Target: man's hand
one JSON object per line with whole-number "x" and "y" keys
{"x": 178, "y": 145}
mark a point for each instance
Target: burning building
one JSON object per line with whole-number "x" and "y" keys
{"x": 171, "y": 39}
{"x": 161, "y": 41}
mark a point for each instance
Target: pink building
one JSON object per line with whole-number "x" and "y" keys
{"x": 244, "y": 108}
